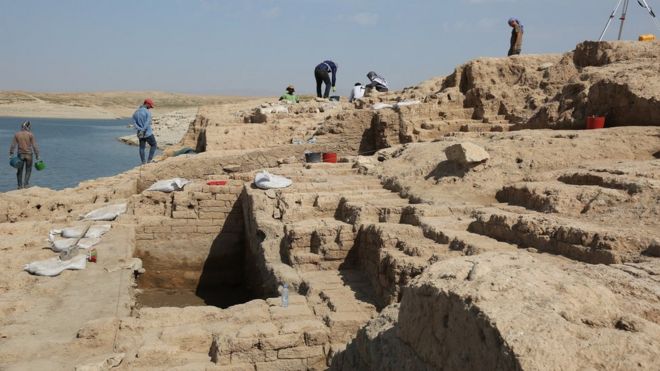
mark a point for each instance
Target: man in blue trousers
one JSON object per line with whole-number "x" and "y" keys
{"x": 142, "y": 123}
{"x": 322, "y": 75}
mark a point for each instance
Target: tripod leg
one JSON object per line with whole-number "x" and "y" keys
{"x": 623, "y": 17}
{"x": 609, "y": 21}
{"x": 651, "y": 12}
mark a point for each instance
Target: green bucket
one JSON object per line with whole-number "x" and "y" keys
{"x": 39, "y": 165}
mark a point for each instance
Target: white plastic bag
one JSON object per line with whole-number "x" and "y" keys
{"x": 110, "y": 212}
{"x": 266, "y": 180}
{"x": 54, "y": 266}
{"x": 169, "y": 185}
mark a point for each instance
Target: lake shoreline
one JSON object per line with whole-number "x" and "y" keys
{"x": 74, "y": 150}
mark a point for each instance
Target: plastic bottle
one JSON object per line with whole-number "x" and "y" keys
{"x": 285, "y": 295}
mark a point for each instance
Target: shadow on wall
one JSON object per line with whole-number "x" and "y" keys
{"x": 367, "y": 143}
{"x": 222, "y": 282}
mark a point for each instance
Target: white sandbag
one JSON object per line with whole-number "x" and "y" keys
{"x": 407, "y": 103}
{"x": 73, "y": 232}
{"x": 54, "y": 266}
{"x": 61, "y": 244}
{"x": 266, "y": 180}
{"x": 86, "y": 243}
{"x": 95, "y": 231}
{"x": 169, "y": 185}
{"x": 378, "y": 106}
{"x": 110, "y": 212}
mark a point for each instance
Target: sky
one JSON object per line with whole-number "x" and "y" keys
{"x": 258, "y": 47}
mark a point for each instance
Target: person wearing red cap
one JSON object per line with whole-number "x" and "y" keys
{"x": 142, "y": 123}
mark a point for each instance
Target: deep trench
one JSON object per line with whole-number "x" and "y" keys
{"x": 219, "y": 281}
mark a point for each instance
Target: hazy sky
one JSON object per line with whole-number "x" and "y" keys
{"x": 256, "y": 47}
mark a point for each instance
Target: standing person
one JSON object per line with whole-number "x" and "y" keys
{"x": 516, "y": 36}
{"x": 142, "y": 123}
{"x": 377, "y": 82}
{"x": 357, "y": 92}
{"x": 290, "y": 96}
{"x": 26, "y": 144}
{"x": 322, "y": 74}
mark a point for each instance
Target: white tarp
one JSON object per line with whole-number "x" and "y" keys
{"x": 266, "y": 180}
{"x": 378, "y": 106}
{"x": 54, "y": 266}
{"x": 168, "y": 185}
{"x": 108, "y": 213}
{"x": 407, "y": 103}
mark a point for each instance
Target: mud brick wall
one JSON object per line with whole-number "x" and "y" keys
{"x": 199, "y": 243}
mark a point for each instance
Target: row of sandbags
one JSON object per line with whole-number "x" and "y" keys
{"x": 69, "y": 241}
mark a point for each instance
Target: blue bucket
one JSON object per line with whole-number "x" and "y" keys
{"x": 16, "y": 162}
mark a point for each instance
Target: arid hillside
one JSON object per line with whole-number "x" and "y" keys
{"x": 106, "y": 105}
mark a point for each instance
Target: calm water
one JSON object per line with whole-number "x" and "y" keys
{"x": 73, "y": 150}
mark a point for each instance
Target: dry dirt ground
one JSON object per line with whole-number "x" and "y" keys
{"x": 539, "y": 249}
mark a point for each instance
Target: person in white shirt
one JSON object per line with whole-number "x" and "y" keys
{"x": 357, "y": 92}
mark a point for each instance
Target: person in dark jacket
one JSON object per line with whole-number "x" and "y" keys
{"x": 26, "y": 144}
{"x": 145, "y": 134}
{"x": 516, "y": 36}
{"x": 322, "y": 74}
{"x": 377, "y": 82}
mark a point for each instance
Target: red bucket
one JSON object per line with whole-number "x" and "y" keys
{"x": 330, "y": 157}
{"x": 595, "y": 122}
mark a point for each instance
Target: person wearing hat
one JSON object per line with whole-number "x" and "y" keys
{"x": 26, "y": 144}
{"x": 516, "y": 36}
{"x": 322, "y": 75}
{"x": 290, "y": 95}
{"x": 142, "y": 123}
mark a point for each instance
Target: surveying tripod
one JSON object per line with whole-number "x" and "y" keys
{"x": 624, "y": 13}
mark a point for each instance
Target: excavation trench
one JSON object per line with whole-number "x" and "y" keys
{"x": 197, "y": 257}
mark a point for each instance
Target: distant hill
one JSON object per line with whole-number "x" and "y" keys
{"x": 98, "y": 105}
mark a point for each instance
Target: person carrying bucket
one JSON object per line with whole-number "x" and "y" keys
{"x": 142, "y": 123}
{"x": 516, "y": 36}
{"x": 27, "y": 145}
{"x": 322, "y": 75}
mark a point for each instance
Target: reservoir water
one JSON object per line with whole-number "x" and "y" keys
{"x": 73, "y": 150}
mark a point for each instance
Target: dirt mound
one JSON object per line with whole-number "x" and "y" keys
{"x": 612, "y": 79}
{"x": 500, "y": 312}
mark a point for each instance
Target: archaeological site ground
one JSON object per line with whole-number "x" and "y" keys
{"x": 471, "y": 223}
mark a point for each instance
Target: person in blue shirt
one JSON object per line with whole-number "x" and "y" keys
{"x": 322, "y": 74}
{"x": 142, "y": 123}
